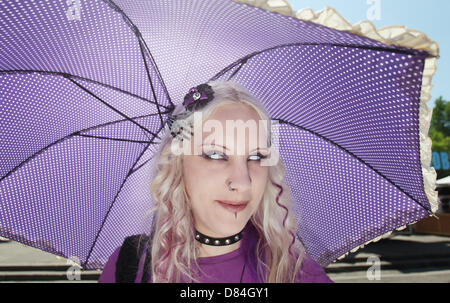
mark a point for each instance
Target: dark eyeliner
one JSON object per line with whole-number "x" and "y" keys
{"x": 208, "y": 156}
{"x": 261, "y": 156}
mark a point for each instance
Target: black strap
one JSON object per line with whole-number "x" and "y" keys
{"x": 128, "y": 260}
{"x": 148, "y": 259}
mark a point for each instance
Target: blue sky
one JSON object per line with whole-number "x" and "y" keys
{"x": 430, "y": 17}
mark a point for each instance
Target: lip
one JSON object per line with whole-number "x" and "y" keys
{"x": 233, "y": 206}
{"x": 234, "y": 203}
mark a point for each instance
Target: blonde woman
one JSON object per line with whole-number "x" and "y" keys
{"x": 222, "y": 212}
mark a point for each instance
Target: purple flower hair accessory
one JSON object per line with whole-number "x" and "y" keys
{"x": 198, "y": 97}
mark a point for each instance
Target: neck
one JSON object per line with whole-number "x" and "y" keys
{"x": 211, "y": 251}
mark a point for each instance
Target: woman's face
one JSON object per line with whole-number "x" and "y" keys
{"x": 206, "y": 178}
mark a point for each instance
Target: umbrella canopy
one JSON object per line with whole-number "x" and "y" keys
{"x": 86, "y": 89}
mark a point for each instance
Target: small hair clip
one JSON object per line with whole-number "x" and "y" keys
{"x": 196, "y": 99}
{"x": 179, "y": 127}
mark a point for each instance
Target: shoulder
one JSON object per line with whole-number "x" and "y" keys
{"x": 109, "y": 270}
{"x": 311, "y": 272}
{"x": 124, "y": 261}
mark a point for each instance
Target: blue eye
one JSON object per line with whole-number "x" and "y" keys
{"x": 210, "y": 156}
{"x": 260, "y": 156}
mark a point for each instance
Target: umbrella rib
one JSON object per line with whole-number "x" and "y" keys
{"x": 163, "y": 84}
{"x": 299, "y": 238}
{"x": 34, "y": 155}
{"x": 66, "y": 75}
{"x": 140, "y": 166}
{"x": 244, "y": 59}
{"x": 150, "y": 79}
{"x": 358, "y": 158}
{"x": 111, "y": 206}
{"x": 114, "y": 109}
{"x": 146, "y": 161}
{"x": 142, "y": 42}
{"x": 77, "y": 133}
{"x": 130, "y": 172}
{"x": 117, "y": 121}
{"x": 113, "y": 139}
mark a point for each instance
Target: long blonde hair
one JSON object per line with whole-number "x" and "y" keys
{"x": 173, "y": 249}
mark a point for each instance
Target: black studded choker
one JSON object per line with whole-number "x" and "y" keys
{"x": 217, "y": 241}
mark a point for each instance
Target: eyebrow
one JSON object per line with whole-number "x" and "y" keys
{"x": 213, "y": 144}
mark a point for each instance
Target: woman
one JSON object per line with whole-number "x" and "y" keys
{"x": 222, "y": 209}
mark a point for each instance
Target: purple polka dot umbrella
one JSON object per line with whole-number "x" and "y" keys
{"x": 87, "y": 86}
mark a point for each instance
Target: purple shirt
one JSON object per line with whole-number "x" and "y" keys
{"x": 229, "y": 267}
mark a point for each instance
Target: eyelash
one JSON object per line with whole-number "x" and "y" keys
{"x": 208, "y": 156}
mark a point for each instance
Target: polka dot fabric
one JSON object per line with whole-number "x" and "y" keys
{"x": 86, "y": 87}
{"x": 340, "y": 202}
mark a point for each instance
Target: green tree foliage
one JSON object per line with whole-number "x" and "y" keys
{"x": 440, "y": 126}
{"x": 440, "y": 131}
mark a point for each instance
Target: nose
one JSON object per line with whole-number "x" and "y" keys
{"x": 240, "y": 177}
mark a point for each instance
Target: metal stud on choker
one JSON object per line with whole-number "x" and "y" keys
{"x": 217, "y": 241}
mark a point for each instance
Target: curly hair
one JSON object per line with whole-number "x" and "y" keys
{"x": 173, "y": 248}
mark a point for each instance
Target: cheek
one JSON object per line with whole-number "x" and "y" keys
{"x": 199, "y": 181}
{"x": 259, "y": 176}
{"x": 260, "y": 180}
